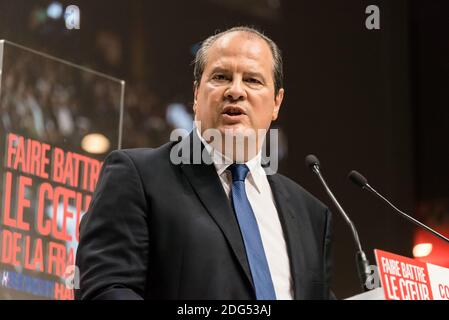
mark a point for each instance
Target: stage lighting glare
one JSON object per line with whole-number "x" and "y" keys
{"x": 54, "y": 10}
{"x": 422, "y": 250}
{"x": 95, "y": 143}
{"x": 178, "y": 116}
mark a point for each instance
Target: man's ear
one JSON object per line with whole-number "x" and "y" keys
{"x": 195, "y": 94}
{"x": 277, "y": 104}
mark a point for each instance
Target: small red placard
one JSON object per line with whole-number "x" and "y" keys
{"x": 403, "y": 278}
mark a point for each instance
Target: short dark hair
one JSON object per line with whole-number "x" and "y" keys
{"x": 201, "y": 54}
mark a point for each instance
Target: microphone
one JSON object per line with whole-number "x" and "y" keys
{"x": 363, "y": 268}
{"x": 361, "y": 181}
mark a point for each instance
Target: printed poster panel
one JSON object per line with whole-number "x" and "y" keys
{"x": 57, "y": 123}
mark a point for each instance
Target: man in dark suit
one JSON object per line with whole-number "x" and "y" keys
{"x": 164, "y": 226}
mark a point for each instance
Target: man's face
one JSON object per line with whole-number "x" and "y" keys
{"x": 236, "y": 90}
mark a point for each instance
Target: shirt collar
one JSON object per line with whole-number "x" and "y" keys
{"x": 222, "y": 162}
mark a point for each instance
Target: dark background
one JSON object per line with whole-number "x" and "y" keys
{"x": 371, "y": 100}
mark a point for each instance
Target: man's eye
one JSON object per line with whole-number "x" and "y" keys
{"x": 253, "y": 80}
{"x": 219, "y": 77}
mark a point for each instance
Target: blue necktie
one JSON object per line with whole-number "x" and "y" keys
{"x": 257, "y": 260}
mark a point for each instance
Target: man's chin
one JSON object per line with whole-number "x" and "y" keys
{"x": 236, "y": 130}
{"x": 237, "y": 142}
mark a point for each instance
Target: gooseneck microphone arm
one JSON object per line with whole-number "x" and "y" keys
{"x": 316, "y": 169}
{"x": 361, "y": 181}
{"x": 363, "y": 269}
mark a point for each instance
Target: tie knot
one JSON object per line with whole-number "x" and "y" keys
{"x": 238, "y": 171}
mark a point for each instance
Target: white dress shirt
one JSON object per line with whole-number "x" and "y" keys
{"x": 262, "y": 202}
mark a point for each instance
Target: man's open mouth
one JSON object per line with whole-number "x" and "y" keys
{"x": 233, "y": 111}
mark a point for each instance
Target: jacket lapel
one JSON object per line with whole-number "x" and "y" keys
{"x": 207, "y": 185}
{"x": 294, "y": 235}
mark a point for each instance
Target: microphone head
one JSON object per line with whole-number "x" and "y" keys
{"x": 311, "y": 161}
{"x": 357, "y": 178}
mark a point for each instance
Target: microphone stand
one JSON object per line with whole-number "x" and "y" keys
{"x": 362, "y": 263}
{"x": 361, "y": 181}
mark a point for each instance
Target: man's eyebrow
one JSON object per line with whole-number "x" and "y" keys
{"x": 254, "y": 74}
{"x": 219, "y": 69}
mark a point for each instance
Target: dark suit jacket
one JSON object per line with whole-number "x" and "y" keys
{"x": 157, "y": 230}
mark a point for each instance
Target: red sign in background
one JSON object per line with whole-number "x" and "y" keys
{"x": 37, "y": 178}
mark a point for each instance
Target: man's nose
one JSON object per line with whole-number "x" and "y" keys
{"x": 235, "y": 91}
